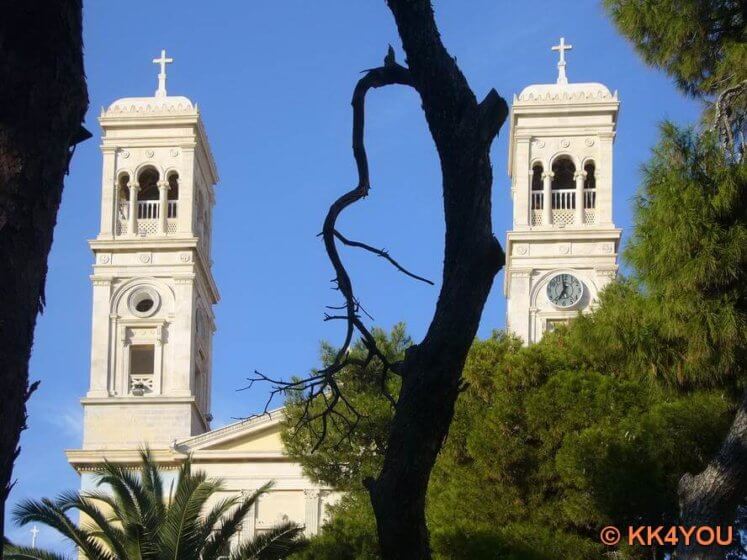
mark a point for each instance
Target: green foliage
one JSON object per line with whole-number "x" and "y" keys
{"x": 349, "y": 535}
{"x": 700, "y": 43}
{"x": 342, "y": 461}
{"x": 132, "y": 518}
{"x": 543, "y": 452}
{"x": 690, "y": 251}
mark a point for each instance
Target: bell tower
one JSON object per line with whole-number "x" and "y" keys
{"x": 562, "y": 249}
{"x": 153, "y": 290}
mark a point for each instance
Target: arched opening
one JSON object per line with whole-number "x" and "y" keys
{"x": 564, "y": 172}
{"x": 590, "y": 193}
{"x": 147, "y": 206}
{"x": 123, "y": 202}
{"x": 173, "y": 180}
{"x": 537, "y": 177}
{"x": 173, "y": 196}
{"x": 590, "y": 182}
{"x": 123, "y": 188}
{"x": 536, "y": 202}
{"x": 148, "y": 181}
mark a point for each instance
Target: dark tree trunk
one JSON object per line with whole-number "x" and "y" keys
{"x": 711, "y": 497}
{"x": 463, "y": 131}
{"x": 43, "y": 100}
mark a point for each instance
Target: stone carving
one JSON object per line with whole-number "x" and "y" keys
{"x": 104, "y": 259}
{"x": 521, "y": 249}
{"x": 185, "y": 257}
{"x": 144, "y": 258}
{"x": 589, "y": 142}
{"x": 173, "y": 152}
{"x": 149, "y": 153}
{"x": 564, "y": 143}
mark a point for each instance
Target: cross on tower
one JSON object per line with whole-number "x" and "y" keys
{"x": 561, "y": 48}
{"x": 163, "y": 61}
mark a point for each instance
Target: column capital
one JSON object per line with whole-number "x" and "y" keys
{"x": 580, "y": 175}
{"x": 548, "y": 175}
{"x": 163, "y": 184}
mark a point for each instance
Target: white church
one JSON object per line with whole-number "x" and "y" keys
{"x": 154, "y": 292}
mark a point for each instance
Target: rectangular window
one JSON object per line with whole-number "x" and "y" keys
{"x": 553, "y": 324}
{"x": 142, "y": 359}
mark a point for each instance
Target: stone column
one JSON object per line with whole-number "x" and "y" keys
{"x": 311, "y": 525}
{"x": 134, "y": 188}
{"x": 163, "y": 196}
{"x": 578, "y": 219}
{"x": 249, "y": 525}
{"x": 547, "y": 198}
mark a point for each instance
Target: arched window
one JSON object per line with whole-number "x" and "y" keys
{"x": 123, "y": 188}
{"x": 173, "y": 186}
{"x": 537, "y": 177}
{"x": 148, "y": 181}
{"x": 591, "y": 181}
{"x": 563, "y": 173}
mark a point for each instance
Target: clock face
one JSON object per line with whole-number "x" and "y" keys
{"x": 564, "y": 290}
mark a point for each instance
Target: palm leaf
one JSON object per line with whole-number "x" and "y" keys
{"x": 230, "y": 524}
{"x": 100, "y": 526}
{"x": 180, "y": 531}
{"x": 52, "y": 515}
{"x": 276, "y": 544}
{"x": 12, "y": 552}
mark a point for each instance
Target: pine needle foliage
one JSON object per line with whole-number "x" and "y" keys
{"x": 132, "y": 517}
{"x": 700, "y": 43}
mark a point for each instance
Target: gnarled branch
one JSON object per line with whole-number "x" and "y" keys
{"x": 322, "y": 386}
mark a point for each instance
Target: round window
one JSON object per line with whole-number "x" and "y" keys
{"x": 144, "y": 302}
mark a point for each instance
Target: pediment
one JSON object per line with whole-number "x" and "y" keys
{"x": 258, "y": 435}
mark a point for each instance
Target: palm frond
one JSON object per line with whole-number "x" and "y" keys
{"x": 230, "y": 524}
{"x": 180, "y": 530}
{"x": 53, "y": 515}
{"x": 276, "y": 544}
{"x": 99, "y": 524}
{"x": 12, "y": 552}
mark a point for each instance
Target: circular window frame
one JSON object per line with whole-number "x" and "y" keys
{"x": 141, "y": 295}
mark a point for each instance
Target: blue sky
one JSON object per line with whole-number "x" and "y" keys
{"x": 273, "y": 81}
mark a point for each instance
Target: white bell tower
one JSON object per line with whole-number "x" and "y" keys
{"x": 153, "y": 289}
{"x": 563, "y": 247}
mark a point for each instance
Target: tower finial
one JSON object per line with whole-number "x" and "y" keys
{"x": 561, "y": 48}
{"x": 163, "y": 61}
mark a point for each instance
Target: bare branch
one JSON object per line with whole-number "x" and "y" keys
{"x": 381, "y": 253}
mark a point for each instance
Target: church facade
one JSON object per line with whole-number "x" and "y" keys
{"x": 153, "y": 289}
{"x": 153, "y": 321}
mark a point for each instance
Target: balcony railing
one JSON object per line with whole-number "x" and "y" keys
{"x": 563, "y": 207}
{"x": 148, "y": 215}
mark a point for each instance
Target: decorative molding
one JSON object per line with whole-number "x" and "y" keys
{"x": 564, "y": 143}
{"x": 564, "y": 248}
{"x": 125, "y": 154}
{"x": 149, "y": 153}
{"x": 185, "y": 257}
{"x": 105, "y": 259}
{"x": 521, "y": 249}
{"x": 144, "y": 258}
{"x": 173, "y": 152}
{"x": 589, "y": 142}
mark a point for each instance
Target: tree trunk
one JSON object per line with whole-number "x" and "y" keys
{"x": 463, "y": 131}
{"x": 711, "y": 497}
{"x": 43, "y": 101}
